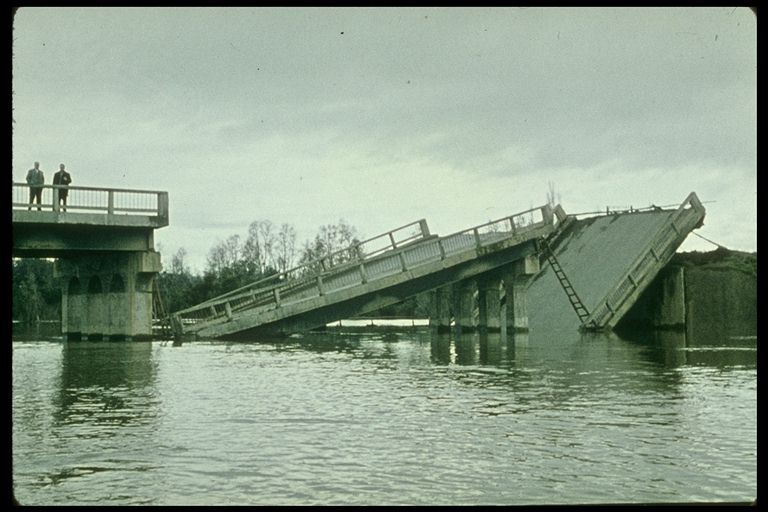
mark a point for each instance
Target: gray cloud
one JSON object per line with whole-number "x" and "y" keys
{"x": 306, "y": 111}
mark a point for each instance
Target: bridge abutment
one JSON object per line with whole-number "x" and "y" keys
{"x": 107, "y": 295}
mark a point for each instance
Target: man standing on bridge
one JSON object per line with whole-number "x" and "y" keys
{"x": 62, "y": 178}
{"x": 35, "y": 180}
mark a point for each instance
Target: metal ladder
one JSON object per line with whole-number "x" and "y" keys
{"x": 578, "y": 306}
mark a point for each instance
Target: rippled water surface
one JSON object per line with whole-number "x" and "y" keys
{"x": 386, "y": 418}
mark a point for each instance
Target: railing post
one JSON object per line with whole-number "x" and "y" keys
{"x": 110, "y": 202}
{"x": 424, "y": 228}
{"x": 392, "y": 239}
{"x": 477, "y": 237}
{"x": 363, "y": 275}
{"x": 276, "y": 294}
{"x": 402, "y": 262}
{"x": 442, "y": 249}
{"x": 228, "y": 309}
{"x": 547, "y": 215}
{"x": 320, "y": 285}
{"x": 512, "y": 225}
{"x": 55, "y": 199}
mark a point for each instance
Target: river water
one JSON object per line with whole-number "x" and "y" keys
{"x": 386, "y": 418}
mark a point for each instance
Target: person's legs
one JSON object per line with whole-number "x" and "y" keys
{"x": 39, "y": 195}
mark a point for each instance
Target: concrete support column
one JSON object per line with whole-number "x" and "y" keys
{"x": 108, "y": 296}
{"x": 517, "y": 277}
{"x": 440, "y": 310}
{"x": 463, "y": 306}
{"x": 670, "y": 310}
{"x": 490, "y": 348}
{"x": 73, "y": 307}
{"x": 489, "y": 304}
{"x": 95, "y": 327}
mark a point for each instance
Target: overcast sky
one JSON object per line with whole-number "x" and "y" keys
{"x": 382, "y": 116}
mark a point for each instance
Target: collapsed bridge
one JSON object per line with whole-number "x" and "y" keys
{"x": 536, "y": 266}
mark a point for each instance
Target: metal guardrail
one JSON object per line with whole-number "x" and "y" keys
{"x": 111, "y": 201}
{"x": 391, "y": 259}
{"x": 654, "y": 256}
{"x": 368, "y": 248}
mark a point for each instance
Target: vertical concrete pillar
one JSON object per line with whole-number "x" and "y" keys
{"x": 95, "y": 328}
{"x": 489, "y": 304}
{"x": 670, "y": 310}
{"x": 490, "y": 348}
{"x": 672, "y": 344}
{"x": 517, "y": 346}
{"x": 73, "y": 308}
{"x": 440, "y": 310}
{"x": 141, "y": 304}
{"x": 463, "y": 306}
{"x": 116, "y": 300}
{"x": 517, "y": 277}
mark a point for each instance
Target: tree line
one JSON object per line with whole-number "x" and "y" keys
{"x": 267, "y": 249}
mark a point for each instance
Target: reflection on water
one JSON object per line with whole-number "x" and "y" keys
{"x": 100, "y": 380}
{"x": 387, "y": 418}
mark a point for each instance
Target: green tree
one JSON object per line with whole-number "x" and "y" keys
{"x": 285, "y": 248}
{"x": 329, "y": 244}
{"x": 36, "y": 294}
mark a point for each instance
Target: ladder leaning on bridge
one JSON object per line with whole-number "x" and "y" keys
{"x": 573, "y": 297}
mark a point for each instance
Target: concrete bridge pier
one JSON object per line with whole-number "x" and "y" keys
{"x": 489, "y": 304}
{"x": 107, "y": 296}
{"x": 440, "y": 310}
{"x": 671, "y": 310}
{"x": 464, "y": 306}
{"x": 516, "y": 277}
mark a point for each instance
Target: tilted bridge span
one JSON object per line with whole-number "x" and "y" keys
{"x": 540, "y": 264}
{"x": 369, "y": 275}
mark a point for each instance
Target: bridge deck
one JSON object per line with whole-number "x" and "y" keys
{"x": 609, "y": 260}
{"x": 91, "y": 206}
{"x": 309, "y": 288}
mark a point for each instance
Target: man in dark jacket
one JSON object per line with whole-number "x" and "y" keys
{"x": 35, "y": 180}
{"x": 62, "y": 177}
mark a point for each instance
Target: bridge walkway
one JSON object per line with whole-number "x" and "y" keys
{"x": 609, "y": 260}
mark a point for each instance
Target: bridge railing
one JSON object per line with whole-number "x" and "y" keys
{"x": 656, "y": 253}
{"x": 358, "y": 250}
{"x": 111, "y": 201}
{"x": 388, "y": 260}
